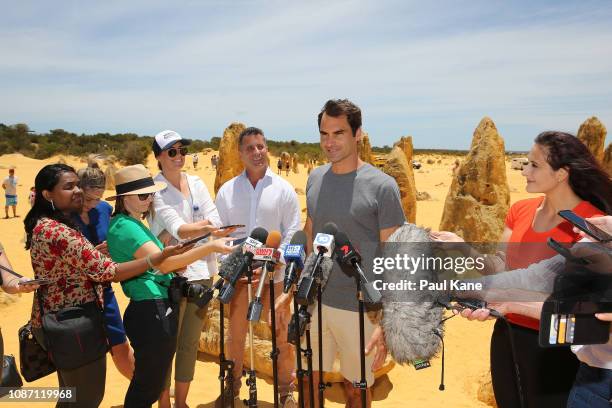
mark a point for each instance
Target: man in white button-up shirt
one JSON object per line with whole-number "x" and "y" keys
{"x": 259, "y": 198}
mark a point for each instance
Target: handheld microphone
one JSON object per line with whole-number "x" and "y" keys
{"x": 269, "y": 255}
{"x": 295, "y": 257}
{"x": 307, "y": 285}
{"x": 226, "y": 269}
{"x": 323, "y": 247}
{"x": 348, "y": 255}
{"x": 256, "y": 239}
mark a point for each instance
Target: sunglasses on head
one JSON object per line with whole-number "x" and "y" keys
{"x": 173, "y": 150}
{"x": 145, "y": 196}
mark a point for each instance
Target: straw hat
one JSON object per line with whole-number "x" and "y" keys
{"x": 135, "y": 180}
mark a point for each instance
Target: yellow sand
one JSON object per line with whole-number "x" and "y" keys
{"x": 467, "y": 343}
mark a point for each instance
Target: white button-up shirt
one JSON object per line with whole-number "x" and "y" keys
{"x": 272, "y": 204}
{"x": 172, "y": 210}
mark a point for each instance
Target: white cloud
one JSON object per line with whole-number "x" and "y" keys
{"x": 274, "y": 64}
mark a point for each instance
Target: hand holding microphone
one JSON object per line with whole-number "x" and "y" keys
{"x": 237, "y": 264}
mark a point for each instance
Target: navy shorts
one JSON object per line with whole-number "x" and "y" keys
{"x": 112, "y": 318}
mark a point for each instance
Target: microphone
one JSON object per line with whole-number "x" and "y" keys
{"x": 346, "y": 254}
{"x": 323, "y": 244}
{"x": 323, "y": 247}
{"x": 270, "y": 256}
{"x": 294, "y": 257}
{"x": 307, "y": 288}
{"x": 307, "y": 291}
{"x": 240, "y": 264}
{"x": 226, "y": 269}
{"x": 412, "y": 320}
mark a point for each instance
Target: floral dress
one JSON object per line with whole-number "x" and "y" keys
{"x": 72, "y": 264}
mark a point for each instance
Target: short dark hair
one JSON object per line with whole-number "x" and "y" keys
{"x": 250, "y": 131}
{"x": 339, "y": 107}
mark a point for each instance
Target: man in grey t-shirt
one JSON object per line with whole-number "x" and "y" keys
{"x": 365, "y": 204}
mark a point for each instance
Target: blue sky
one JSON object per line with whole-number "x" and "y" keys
{"x": 427, "y": 69}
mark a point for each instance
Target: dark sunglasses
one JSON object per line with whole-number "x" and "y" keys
{"x": 145, "y": 196}
{"x": 173, "y": 150}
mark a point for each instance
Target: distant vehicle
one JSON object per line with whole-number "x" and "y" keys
{"x": 518, "y": 163}
{"x": 380, "y": 160}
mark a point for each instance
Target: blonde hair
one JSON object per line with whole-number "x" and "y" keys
{"x": 91, "y": 177}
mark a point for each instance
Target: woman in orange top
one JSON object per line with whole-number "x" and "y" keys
{"x": 563, "y": 169}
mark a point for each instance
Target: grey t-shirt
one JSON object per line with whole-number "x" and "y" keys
{"x": 360, "y": 203}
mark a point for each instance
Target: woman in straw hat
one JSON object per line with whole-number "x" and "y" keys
{"x": 61, "y": 254}
{"x": 151, "y": 318}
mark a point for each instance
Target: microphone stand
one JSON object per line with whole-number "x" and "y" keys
{"x": 252, "y": 376}
{"x": 320, "y": 337}
{"x": 274, "y": 353}
{"x": 226, "y": 367}
{"x": 299, "y": 373}
{"x": 363, "y": 384}
{"x": 308, "y": 354}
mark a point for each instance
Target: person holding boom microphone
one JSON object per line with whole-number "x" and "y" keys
{"x": 365, "y": 204}
{"x": 259, "y": 198}
{"x": 592, "y": 386}
{"x": 563, "y": 169}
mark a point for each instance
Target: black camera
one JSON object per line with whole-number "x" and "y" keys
{"x": 179, "y": 288}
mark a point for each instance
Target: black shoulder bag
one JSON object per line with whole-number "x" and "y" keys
{"x": 75, "y": 335}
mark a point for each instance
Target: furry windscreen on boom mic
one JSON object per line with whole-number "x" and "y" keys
{"x": 411, "y": 319}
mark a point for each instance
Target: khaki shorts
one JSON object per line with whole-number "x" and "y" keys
{"x": 341, "y": 337}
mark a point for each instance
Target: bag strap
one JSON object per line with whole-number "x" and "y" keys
{"x": 40, "y": 302}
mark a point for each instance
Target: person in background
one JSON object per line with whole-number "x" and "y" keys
{"x": 183, "y": 210}
{"x": 151, "y": 317}
{"x": 93, "y": 220}
{"x": 10, "y": 284}
{"x": 566, "y": 173}
{"x": 9, "y": 184}
{"x": 195, "y": 160}
{"x": 62, "y": 255}
{"x": 32, "y": 196}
